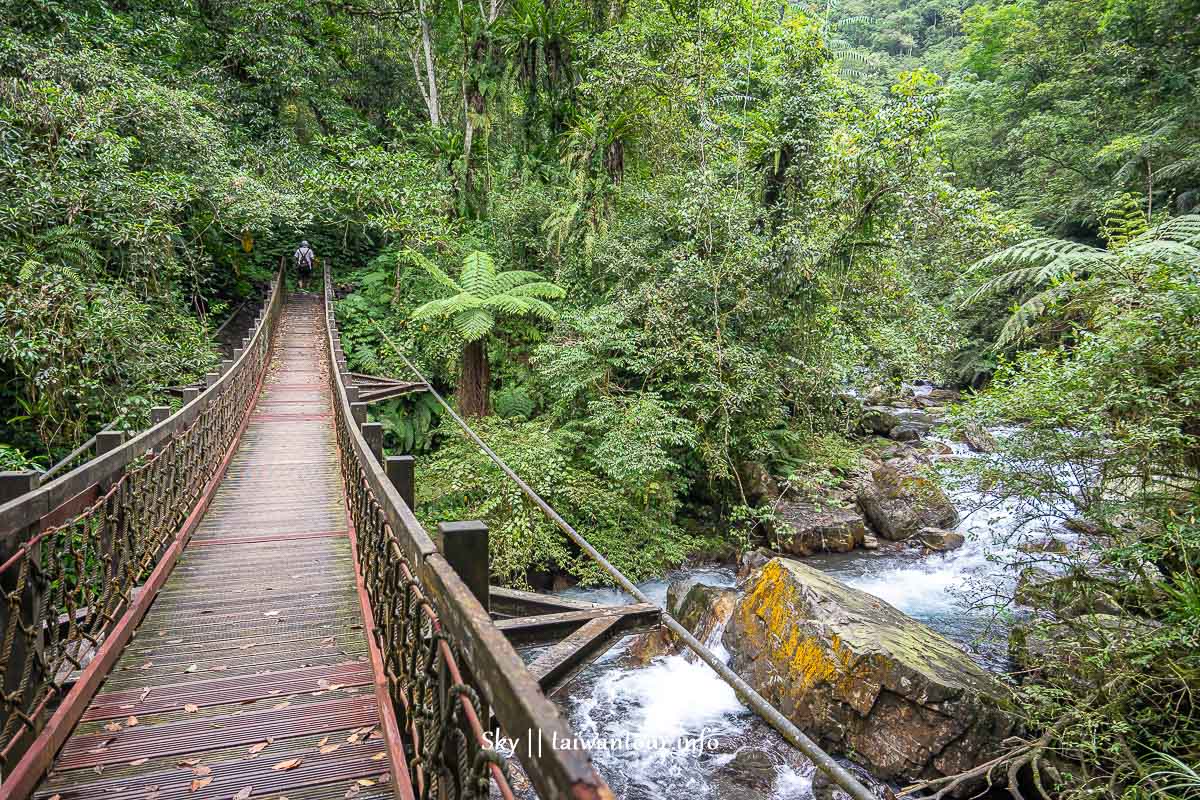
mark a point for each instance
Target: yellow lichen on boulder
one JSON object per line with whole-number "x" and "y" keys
{"x": 861, "y": 677}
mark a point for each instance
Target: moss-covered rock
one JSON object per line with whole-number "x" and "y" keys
{"x": 803, "y": 528}
{"x": 862, "y": 678}
{"x": 899, "y": 503}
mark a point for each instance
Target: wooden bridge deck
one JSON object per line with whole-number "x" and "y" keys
{"x": 250, "y": 676}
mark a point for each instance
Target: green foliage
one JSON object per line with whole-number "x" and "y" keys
{"x": 460, "y": 482}
{"x": 1109, "y": 433}
{"x": 482, "y": 293}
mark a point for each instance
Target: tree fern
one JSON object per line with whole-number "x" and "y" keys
{"x": 482, "y": 292}
{"x": 1044, "y": 272}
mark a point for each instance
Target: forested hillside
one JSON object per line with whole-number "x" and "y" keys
{"x": 659, "y": 254}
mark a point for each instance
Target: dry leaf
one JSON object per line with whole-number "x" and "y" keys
{"x": 353, "y": 791}
{"x": 187, "y": 762}
{"x": 258, "y": 748}
{"x": 271, "y": 613}
{"x": 145, "y": 694}
{"x": 129, "y": 723}
{"x": 191, "y": 708}
{"x": 284, "y": 766}
{"x": 323, "y": 742}
{"x": 280, "y": 706}
{"x": 113, "y": 727}
{"x": 148, "y": 665}
{"x": 354, "y": 738}
{"x": 379, "y": 757}
{"x": 138, "y": 762}
{"x": 365, "y": 782}
{"x": 192, "y": 668}
{"x": 219, "y": 668}
{"x": 201, "y": 770}
{"x": 245, "y": 646}
{"x": 244, "y": 793}
{"x": 200, "y": 783}
{"x": 329, "y": 748}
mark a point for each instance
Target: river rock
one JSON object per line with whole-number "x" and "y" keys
{"x": 703, "y": 610}
{"x": 860, "y": 677}
{"x": 803, "y": 528}
{"x": 749, "y": 561}
{"x": 941, "y": 539}
{"x": 979, "y": 439}
{"x": 1046, "y": 591}
{"x": 907, "y": 432}
{"x": 879, "y": 419}
{"x": 899, "y": 503}
{"x": 750, "y": 775}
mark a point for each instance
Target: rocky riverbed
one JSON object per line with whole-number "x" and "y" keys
{"x": 937, "y": 707}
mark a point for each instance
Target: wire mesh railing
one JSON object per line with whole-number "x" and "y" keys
{"x": 449, "y": 670}
{"x": 75, "y": 552}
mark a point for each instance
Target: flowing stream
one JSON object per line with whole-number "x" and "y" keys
{"x": 693, "y": 738}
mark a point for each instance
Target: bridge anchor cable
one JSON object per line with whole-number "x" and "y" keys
{"x": 771, "y": 715}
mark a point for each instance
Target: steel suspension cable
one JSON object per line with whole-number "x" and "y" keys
{"x": 771, "y": 715}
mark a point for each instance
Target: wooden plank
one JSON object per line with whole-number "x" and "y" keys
{"x": 195, "y": 679}
{"x": 563, "y": 661}
{"x": 552, "y": 627}
{"x": 517, "y": 603}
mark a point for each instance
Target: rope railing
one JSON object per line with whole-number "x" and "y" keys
{"x": 76, "y": 552}
{"x": 448, "y": 669}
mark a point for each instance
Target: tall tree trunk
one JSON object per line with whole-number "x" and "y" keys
{"x": 474, "y": 385}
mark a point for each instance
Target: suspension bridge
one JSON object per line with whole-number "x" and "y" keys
{"x": 238, "y": 602}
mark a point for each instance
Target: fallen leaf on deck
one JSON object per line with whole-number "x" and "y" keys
{"x": 138, "y": 762}
{"x": 191, "y": 708}
{"x": 379, "y": 757}
{"x": 187, "y": 762}
{"x": 329, "y": 748}
{"x": 129, "y": 723}
{"x": 244, "y": 793}
{"x": 200, "y": 783}
{"x": 284, "y": 766}
{"x": 201, "y": 770}
{"x": 274, "y": 613}
{"x": 280, "y": 706}
{"x": 365, "y": 782}
{"x": 192, "y": 668}
{"x": 113, "y": 726}
{"x": 258, "y": 748}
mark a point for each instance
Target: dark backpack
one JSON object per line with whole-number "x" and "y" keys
{"x": 304, "y": 257}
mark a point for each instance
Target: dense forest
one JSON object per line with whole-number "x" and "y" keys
{"x": 658, "y": 253}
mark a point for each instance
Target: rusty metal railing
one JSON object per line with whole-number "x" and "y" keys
{"x": 449, "y": 670}
{"x": 81, "y": 556}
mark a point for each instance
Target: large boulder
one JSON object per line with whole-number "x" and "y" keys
{"x": 805, "y": 527}
{"x": 942, "y": 540}
{"x": 879, "y": 419}
{"x": 978, "y": 438}
{"x": 899, "y": 502}
{"x": 862, "y": 678}
{"x": 702, "y": 609}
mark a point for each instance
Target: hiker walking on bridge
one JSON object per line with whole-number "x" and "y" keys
{"x": 304, "y": 258}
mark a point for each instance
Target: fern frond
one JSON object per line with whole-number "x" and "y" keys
{"x": 1025, "y": 314}
{"x": 434, "y": 270}
{"x": 542, "y": 289}
{"x": 446, "y": 306}
{"x": 474, "y": 324}
{"x": 479, "y": 274}
{"x": 1163, "y": 251}
{"x": 510, "y": 279}
{"x": 1185, "y": 229}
